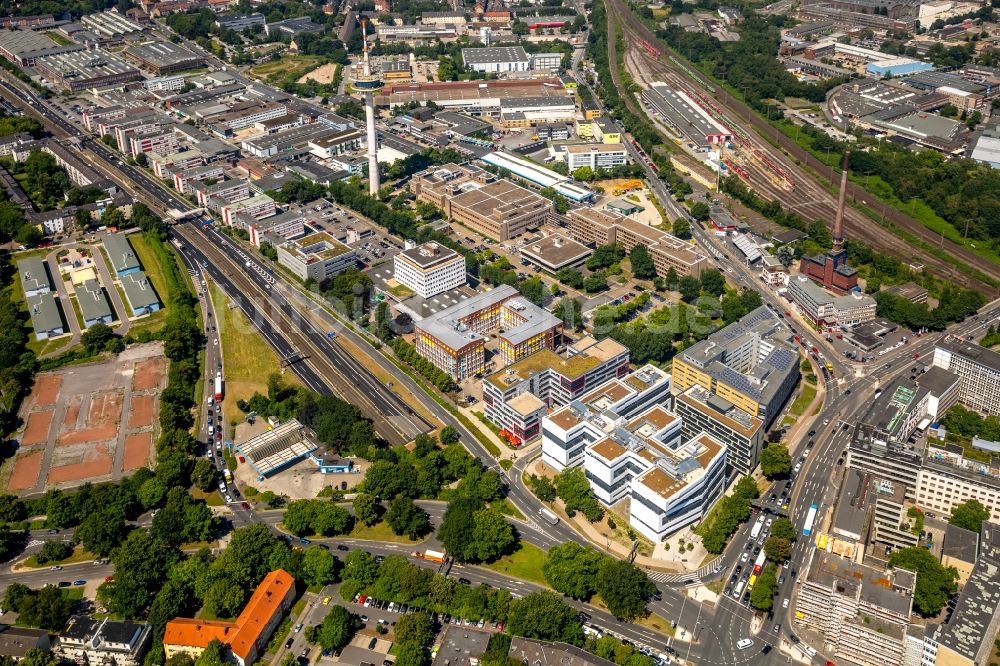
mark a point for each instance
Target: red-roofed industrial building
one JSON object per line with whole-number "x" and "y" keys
{"x": 247, "y": 636}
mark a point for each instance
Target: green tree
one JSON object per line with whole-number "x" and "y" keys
{"x": 448, "y": 435}
{"x": 777, "y": 549}
{"x": 681, "y": 228}
{"x": 689, "y": 288}
{"x": 762, "y": 595}
{"x": 570, "y": 310}
{"x": 700, "y": 211}
{"x": 643, "y": 267}
{"x": 713, "y": 282}
{"x": 545, "y": 616}
{"x": 624, "y": 588}
{"x": 784, "y": 529}
{"x": 574, "y": 490}
{"x": 203, "y": 475}
{"x": 96, "y": 338}
{"x": 405, "y": 517}
{"x": 367, "y": 509}
{"x": 214, "y": 654}
{"x": 141, "y": 564}
{"x": 47, "y": 608}
{"x": 53, "y": 551}
{"x": 775, "y": 461}
{"x": 570, "y": 277}
{"x": 969, "y": 515}
{"x": 102, "y": 531}
{"x": 415, "y": 629}
{"x": 584, "y": 174}
{"x": 492, "y": 536}
{"x": 361, "y": 567}
{"x": 935, "y": 583}
{"x": 572, "y": 569}
{"x": 457, "y": 527}
{"x": 319, "y": 566}
{"x": 337, "y": 629}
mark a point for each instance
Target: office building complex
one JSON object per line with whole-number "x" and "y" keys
{"x": 517, "y": 397}
{"x": 631, "y": 446}
{"x": 454, "y": 339}
{"x": 906, "y": 405}
{"x": 568, "y": 430}
{"x": 316, "y": 257}
{"x": 742, "y": 433}
{"x": 429, "y": 269}
{"x": 978, "y": 369}
{"x": 247, "y": 636}
{"x": 829, "y": 310}
{"x": 862, "y": 611}
{"x": 747, "y": 363}
{"x": 476, "y": 198}
{"x": 594, "y": 227}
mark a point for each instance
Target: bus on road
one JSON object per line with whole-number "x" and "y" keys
{"x": 810, "y": 519}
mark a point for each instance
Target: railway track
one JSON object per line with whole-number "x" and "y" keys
{"x": 393, "y": 420}
{"x": 809, "y": 198}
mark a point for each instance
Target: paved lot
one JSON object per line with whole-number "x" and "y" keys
{"x": 90, "y": 422}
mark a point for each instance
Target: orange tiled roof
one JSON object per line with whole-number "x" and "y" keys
{"x": 241, "y": 635}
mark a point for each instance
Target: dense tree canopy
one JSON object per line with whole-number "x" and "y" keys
{"x": 935, "y": 582}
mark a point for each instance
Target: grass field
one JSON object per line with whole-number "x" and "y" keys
{"x": 378, "y": 532}
{"x": 79, "y": 555}
{"x": 803, "y": 400}
{"x": 211, "y": 498}
{"x": 524, "y": 563}
{"x": 652, "y": 621}
{"x": 286, "y": 67}
{"x": 151, "y": 266}
{"x": 248, "y": 359}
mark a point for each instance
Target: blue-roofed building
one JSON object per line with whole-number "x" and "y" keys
{"x": 898, "y": 67}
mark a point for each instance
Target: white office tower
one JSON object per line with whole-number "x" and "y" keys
{"x": 368, "y": 83}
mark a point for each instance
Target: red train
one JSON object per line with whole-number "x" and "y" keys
{"x": 737, "y": 169}
{"x": 650, "y": 49}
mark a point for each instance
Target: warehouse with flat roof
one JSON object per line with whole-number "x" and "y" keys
{"x": 496, "y": 59}
{"x": 161, "y": 57}
{"x": 80, "y": 70}
{"x": 24, "y": 47}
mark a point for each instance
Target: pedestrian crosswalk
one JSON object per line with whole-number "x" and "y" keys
{"x": 689, "y": 579}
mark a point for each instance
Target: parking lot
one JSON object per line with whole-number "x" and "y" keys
{"x": 371, "y": 244}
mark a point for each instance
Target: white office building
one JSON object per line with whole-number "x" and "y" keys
{"x": 670, "y": 481}
{"x": 595, "y": 156}
{"x": 429, "y": 269}
{"x": 977, "y": 367}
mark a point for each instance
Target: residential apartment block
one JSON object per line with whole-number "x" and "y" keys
{"x": 594, "y": 227}
{"x": 454, "y": 339}
{"x": 247, "y": 636}
{"x": 257, "y": 207}
{"x": 429, "y": 269}
{"x": 862, "y": 611}
{"x": 977, "y": 367}
{"x": 476, "y": 198}
{"x": 747, "y": 363}
{"x": 517, "y": 397}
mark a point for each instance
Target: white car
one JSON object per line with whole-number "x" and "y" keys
{"x": 797, "y": 467}
{"x": 744, "y": 643}
{"x": 745, "y": 556}
{"x": 784, "y": 604}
